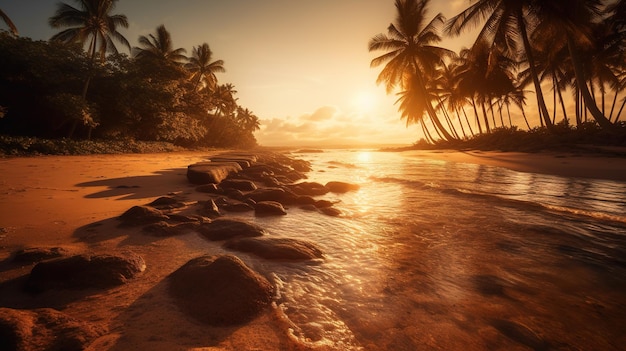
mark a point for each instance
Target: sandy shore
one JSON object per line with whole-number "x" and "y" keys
{"x": 72, "y": 201}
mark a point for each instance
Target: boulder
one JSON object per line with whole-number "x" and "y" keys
{"x": 309, "y": 188}
{"x": 267, "y": 194}
{"x": 237, "y": 206}
{"x": 139, "y": 215}
{"x": 37, "y": 254}
{"x": 210, "y": 209}
{"x": 238, "y": 184}
{"x": 226, "y": 228}
{"x": 209, "y": 188}
{"x": 211, "y": 172}
{"x": 220, "y": 290}
{"x": 269, "y": 208}
{"x": 276, "y": 248}
{"x": 44, "y": 329}
{"x": 85, "y": 271}
{"x": 341, "y": 187}
{"x": 330, "y": 211}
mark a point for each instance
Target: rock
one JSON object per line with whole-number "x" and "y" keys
{"x": 210, "y": 209}
{"x": 270, "y": 181}
{"x": 167, "y": 203}
{"x": 37, "y": 254}
{"x": 322, "y": 203}
{"x": 269, "y": 208}
{"x": 331, "y": 211}
{"x": 309, "y": 188}
{"x": 220, "y": 290}
{"x": 311, "y": 208}
{"x": 138, "y": 215}
{"x": 236, "y": 206}
{"x": 162, "y": 229}
{"x": 209, "y": 188}
{"x": 44, "y": 329}
{"x": 85, "y": 271}
{"x": 304, "y": 200}
{"x": 225, "y": 228}
{"x": 211, "y": 172}
{"x": 341, "y": 187}
{"x": 267, "y": 194}
{"x": 235, "y": 194}
{"x": 187, "y": 219}
{"x": 238, "y": 184}
{"x": 276, "y": 248}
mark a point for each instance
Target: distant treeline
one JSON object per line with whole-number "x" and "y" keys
{"x": 55, "y": 89}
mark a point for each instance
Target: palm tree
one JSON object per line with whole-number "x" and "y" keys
{"x": 573, "y": 20}
{"x": 8, "y": 21}
{"x": 91, "y": 23}
{"x": 505, "y": 25}
{"x": 247, "y": 120}
{"x": 203, "y": 70}
{"x": 159, "y": 47}
{"x": 223, "y": 99}
{"x": 411, "y": 57}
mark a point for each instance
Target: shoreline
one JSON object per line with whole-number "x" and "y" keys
{"x": 573, "y": 164}
{"x": 74, "y": 202}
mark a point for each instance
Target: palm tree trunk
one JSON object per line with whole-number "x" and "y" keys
{"x": 467, "y": 121}
{"x": 613, "y": 105}
{"x": 429, "y": 106}
{"x": 480, "y": 128}
{"x": 563, "y": 107}
{"x": 543, "y": 110}
{"x": 620, "y": 111}
{"x": 581, "y": 82}
{"x": 482, "y": 104}
{"x": 458, "y": 117}
{"x": 525, "y": 119}
{"x": 429, "y": 138}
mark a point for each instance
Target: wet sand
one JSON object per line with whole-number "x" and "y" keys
{"x": 72, "y": 201}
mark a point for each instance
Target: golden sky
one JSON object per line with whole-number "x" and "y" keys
{"x": 301, "y": 66}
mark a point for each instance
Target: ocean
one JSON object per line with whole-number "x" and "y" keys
{"x": 436, "y": 255}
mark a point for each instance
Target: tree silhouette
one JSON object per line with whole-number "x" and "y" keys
{"x": 159, "y": 47}
{"x": 8, "y": 22}
{"x": 202, "y": 67}
{"x": 411, "y": 58}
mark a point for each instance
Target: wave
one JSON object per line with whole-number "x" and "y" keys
{"x": 505, "y": 199}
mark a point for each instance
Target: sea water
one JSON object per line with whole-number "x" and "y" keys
{"x": 438, "y": 255}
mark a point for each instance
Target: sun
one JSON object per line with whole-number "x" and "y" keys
{"x": 365, "y": 101}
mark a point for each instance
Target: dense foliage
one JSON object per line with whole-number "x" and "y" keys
{"x": 41, "y": 95}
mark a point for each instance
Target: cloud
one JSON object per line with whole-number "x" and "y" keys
{"x": 329, "y": 126}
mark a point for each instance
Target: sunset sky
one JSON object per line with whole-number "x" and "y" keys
{"x": 301, "y": 66}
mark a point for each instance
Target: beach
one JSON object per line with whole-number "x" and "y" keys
{"x": 73, "y": 202}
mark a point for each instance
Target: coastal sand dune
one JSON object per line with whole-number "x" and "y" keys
{"x": 73, "y": 202}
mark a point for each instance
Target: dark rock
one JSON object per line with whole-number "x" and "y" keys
{"x": 276, "y": 248}
{"x": 37, "y": 254}
{"x": 331, "y": 211}
{"x": 238, "y": 184}
{"x": 211, "y": 172}
{"x": 269, "y": 208}
{"x": 209, "y": 188}
{"x": 304, "y": 200}
{"x": 210, "y": 209}
{"x": 44, "y": 329}
{"x": 309, "y": 188}
{"x": 85, "y": 271}
{"x": 341, "y": 187}
{"x": 138, "y": 215}
{"x": 220, "y": 290}
{"x": 163, "y": 201}
{"x": 237, "y": 207}
{"x": 323, "y": 203}
{"x": 235, "y": 194}
{"x": 187, "y": 219}
{"x": 267, "y": 194}
{"x": 308, "y": 208}
{"x": 225, "y": 228}
{"x": 270, "y": 181}
{"x": 163, "y": 229}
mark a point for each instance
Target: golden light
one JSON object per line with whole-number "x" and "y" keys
{"x": 365, "y": 101}
{"x": 364, "y": 156}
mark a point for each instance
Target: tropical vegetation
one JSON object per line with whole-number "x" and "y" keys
{"x": 80, "y": 86}
{"x": 522, "y": 48}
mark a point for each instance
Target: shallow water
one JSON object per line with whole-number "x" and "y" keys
{"x": 435, "y": 255}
